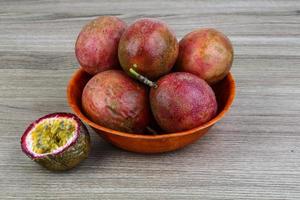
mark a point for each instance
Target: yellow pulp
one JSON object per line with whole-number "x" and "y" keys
{"x": 51, "y": 134}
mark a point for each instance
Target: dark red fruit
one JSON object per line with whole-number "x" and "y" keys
{"x": 114, "y": 100}
{"x": 149, "y": 47}
{"x": 182, "y": 101}
{"x": 206, "y": 53}
{"x": 97, "y": 44}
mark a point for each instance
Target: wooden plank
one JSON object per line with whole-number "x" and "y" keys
{"x": 253, "y": 153}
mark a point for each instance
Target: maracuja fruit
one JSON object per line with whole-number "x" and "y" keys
{"x": 96, "y": 47}
{"x": 182, "y": 101}
{"x": 206, "y": 53}
{"x": 57, "y": 141}
{"x": 148, "y": 47}
{"x": 114, "y": 100}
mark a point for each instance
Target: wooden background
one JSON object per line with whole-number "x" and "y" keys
{"x": 253, "y": 153}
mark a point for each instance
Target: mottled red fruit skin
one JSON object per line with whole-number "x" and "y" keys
{"x": 182, "y": 101}
{"x": 114, "y": 100}
{"x": 206, "y": 53}
{"x": 149, "y": 44}
{"x": 96, "y": 47}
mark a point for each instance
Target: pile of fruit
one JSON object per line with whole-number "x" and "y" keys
{"x": 143, "y": 81}
{"x": 178, "y": 74}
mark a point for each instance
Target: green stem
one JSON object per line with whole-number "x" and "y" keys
{"x": 151, "y": 130}
{"x": 142, "y": 78}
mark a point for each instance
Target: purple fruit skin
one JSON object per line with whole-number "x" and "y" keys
{"x": 114, "y": 100}
{"x": 96, "y": 47}
{"x": 182, "y": 101}
{"x": 150, "y": 45}
{"x": 206, "y": 53}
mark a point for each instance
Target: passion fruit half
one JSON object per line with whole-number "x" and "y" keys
{"x": 57, "y": 141}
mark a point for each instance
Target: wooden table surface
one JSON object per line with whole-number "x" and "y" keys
{"x": 253, "y": 153}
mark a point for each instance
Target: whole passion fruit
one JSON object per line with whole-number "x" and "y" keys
{"x": 96, "y": 47}
{"x": 148, "y": 47}
{"x": 57, "y": 141}
{"x": 114, "y": 100}
{"x": 207, "y": 53}
{"x": 182, "y": 101}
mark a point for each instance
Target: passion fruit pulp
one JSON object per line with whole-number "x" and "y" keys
{"x": 57, "y": 141}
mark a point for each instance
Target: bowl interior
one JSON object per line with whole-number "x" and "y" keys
{"x": 224, "y": 90}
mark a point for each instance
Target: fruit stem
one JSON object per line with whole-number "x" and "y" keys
{"x": 151, "y": 130}
{"x": 142, "y": 78}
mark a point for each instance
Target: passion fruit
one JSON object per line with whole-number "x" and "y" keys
{"x": 149, "y": 47}
{"x": 207, "y": 53}
{"x": 96, "y": 47}
{"x": 182, "y": 101}
{"x": 57, "y": 141}
{"x": 114, "y": 100}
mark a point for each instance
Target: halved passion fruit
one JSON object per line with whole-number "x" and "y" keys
{"x": 57, "y": 141}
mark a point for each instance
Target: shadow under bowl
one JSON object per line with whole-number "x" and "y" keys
{"x": 225, "y": 93}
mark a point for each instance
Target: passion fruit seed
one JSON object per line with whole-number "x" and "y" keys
{"x": 51, "y": 134}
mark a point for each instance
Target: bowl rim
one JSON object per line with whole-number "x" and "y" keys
{"x": 217, "y": 118}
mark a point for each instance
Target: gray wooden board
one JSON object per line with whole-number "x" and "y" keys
{"x": 253, "y": 153}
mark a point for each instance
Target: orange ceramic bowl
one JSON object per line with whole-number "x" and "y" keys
{"x": 224, "y": 90}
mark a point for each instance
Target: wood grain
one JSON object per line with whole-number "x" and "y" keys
{"x": 254, "y": 153}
